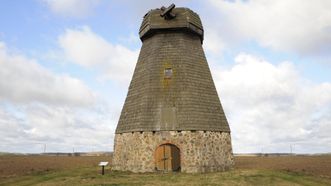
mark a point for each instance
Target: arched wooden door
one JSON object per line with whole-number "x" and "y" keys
{"x": 167, "y": 158}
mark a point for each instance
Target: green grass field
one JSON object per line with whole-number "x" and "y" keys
{"x": 91, "y": 176}
{"x": 47, "y": 170}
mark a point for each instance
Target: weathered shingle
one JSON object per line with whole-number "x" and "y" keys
{"x": 187, "y": 100}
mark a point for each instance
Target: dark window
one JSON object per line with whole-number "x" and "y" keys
{"x": 167, "y": 73}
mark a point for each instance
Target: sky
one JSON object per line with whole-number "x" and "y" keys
{"x": 65, "y": 68}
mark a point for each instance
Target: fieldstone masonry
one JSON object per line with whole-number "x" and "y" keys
{"x": 200, "y": 151}
{"x": 172, "y": 99}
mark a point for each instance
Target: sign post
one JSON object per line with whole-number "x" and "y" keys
{"x": 103, "y": 164}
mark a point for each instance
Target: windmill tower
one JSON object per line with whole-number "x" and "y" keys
{"x": 172, "y": 118}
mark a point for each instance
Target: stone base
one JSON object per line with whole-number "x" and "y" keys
{"x": 200, "y": 151}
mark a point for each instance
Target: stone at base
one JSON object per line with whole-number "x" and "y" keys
{"x": 200, "y": 151}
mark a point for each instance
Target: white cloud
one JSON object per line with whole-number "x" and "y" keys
{"x": 213, "y": 42}
{"x": 40, "y": 107}
{"x": 23, "y": 80}
{"x": 271, "y": 107}
{"x": 302, "y": 27}
{"x": 74, "y": 8}
{"x": 86, "y": 48}
{"x": 61, "y": 128}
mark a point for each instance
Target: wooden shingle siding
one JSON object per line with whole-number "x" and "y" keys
{"x": 186, "y": 101}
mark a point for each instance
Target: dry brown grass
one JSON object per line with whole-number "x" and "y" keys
{"x": 11, "y": 166}
{"x": 50, "y": 170}
{"x": 311, "y": 165}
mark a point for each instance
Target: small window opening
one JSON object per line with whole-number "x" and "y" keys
{"x": 167, "y": 73}
{"x": 153, "y": 132}
{"x": 193, "y": 131}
